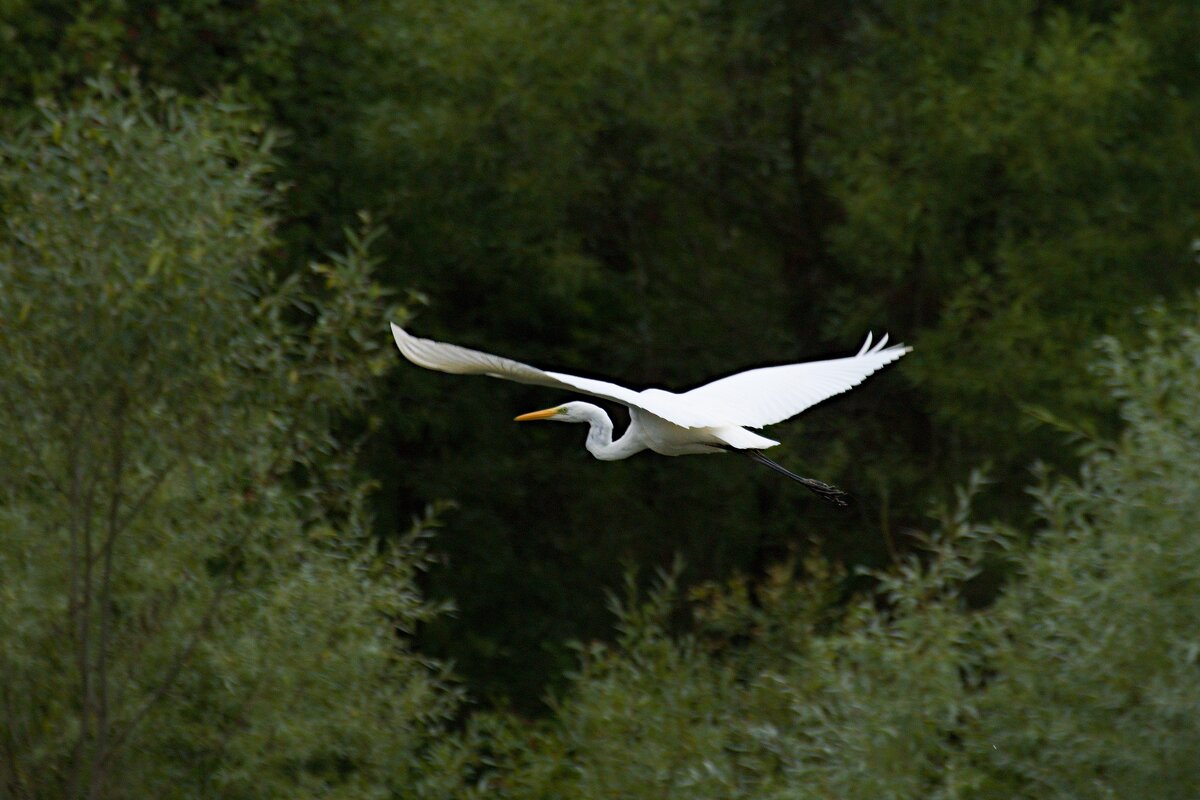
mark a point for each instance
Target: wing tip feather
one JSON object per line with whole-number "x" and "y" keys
{"x": 867, "y": 344}
{"x": 872, "y": 347}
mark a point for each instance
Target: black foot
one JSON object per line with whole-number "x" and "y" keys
{"x": 830, "y": 494}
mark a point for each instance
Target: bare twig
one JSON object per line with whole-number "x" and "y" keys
{"x": 116, "y": 480}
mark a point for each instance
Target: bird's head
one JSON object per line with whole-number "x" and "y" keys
{"x": 570, "y": 412}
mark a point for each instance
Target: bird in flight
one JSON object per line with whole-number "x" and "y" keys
{"x": 713, "y": 418}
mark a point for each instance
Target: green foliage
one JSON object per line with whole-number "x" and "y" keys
{"x": 195, "y": 600}
{"x": 1021, "y": 180}
{"x": 1097, "y": 684}
{"x": 192, "y": 600}
{"x": 299, "y": 63}
{"x": 670, "y": 191}
{"x": 1079, "y": 682}
{"x": 777, "y": 694}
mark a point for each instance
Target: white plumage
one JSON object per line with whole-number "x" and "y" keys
{"x": 711, "y": 418}
{"x": 769, "y": 395}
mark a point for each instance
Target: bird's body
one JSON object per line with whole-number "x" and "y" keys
{"x": 648, "y": 431}
{"x": 713, "y": 418}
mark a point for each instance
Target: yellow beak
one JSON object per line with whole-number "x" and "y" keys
{"x": 532, "y": 415}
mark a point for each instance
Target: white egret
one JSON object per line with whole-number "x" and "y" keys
{"x": 709, "y": 419}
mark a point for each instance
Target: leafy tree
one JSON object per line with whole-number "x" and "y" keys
{"x": 1080, "y": 681}
{"x": 192, "y": 602}
{"x": 1095, "y": 653}
{"x": 299, "y": 64}
{"x": 1015, "y": 179}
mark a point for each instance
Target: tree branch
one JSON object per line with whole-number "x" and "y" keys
{"x": 116, "y": 480}
{"x": 172, "y": 674}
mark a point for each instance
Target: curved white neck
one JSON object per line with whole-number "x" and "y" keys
{"x": 600, "y": 442}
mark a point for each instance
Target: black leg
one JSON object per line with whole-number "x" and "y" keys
{"x": 826, "y": 492}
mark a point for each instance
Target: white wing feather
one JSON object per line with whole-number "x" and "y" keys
{"x": 463, "y": 361}
{"x": 755, "y": 398}
{"x": 765, "y": 396}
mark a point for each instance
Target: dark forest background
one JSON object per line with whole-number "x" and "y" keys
{"x": 247, "y": 551}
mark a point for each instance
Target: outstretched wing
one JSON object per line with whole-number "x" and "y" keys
{"x": 772, "y": 394}
{"x": 463, "y": 361}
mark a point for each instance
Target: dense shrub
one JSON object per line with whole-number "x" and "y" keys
{"x": 192, "y": 602}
